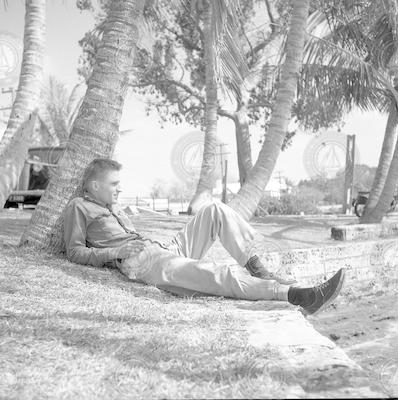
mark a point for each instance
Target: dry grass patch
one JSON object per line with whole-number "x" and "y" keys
{"x": 70, "y": 331}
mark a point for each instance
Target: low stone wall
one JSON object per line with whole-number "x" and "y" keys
{"x": 364, "y": 231}
{"x": 305, "y": 364}
{"x": 370, "y": 265}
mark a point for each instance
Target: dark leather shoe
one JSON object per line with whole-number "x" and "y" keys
{"x": 257, "y": 269}
{"x": 317, "y": 298}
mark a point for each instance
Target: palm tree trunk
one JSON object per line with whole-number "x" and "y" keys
{"x": 95, "y": 130}
{"x": 250, "y": 194}
{"x": 243, "y": 146}
{"x": 386, "y": 155}
{"x": 386, "y": 196}
{"x": 206, "y": 182}
{"x": 15, "y": 141}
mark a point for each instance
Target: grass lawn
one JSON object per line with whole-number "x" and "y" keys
{"x": 72, "y": 331}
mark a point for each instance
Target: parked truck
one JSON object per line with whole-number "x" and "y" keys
{"x": 39, "y": 165}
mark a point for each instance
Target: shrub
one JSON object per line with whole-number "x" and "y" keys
{"x": 288, "y": 204}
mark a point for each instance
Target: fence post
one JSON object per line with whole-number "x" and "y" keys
{"x": 349, "y": 173}
{"x": 224, "y": 184}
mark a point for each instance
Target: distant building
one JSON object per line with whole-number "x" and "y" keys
{"x": 276, "y": 187}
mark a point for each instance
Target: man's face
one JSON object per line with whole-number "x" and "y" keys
{"x": 106, "y": 187}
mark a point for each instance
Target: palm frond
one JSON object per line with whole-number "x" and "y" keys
{"x": 47, "y": 129}
{"x": 231, "y": 65}
{"x": 322, "y": 52}
{"x": 357, "y": 54}
{"x": 343, "y": 87}
{"x": 383, "y": 43}
{"x": 75, "y": 97}
{"x": 73, "y": 114}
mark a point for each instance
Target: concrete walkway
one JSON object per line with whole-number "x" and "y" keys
{"x": 308, "y": 365}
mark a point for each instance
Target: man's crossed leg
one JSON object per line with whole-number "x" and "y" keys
{"x": 180, "y": 270}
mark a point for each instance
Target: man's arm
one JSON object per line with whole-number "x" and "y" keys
{"x": 75, "y": 232}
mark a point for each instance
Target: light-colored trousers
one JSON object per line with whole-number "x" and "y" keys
{"x": 180, "y": 270}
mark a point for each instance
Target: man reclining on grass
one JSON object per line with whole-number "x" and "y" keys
{"x": 97, "y": 232}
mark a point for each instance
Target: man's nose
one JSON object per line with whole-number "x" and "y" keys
{"x": 119, "y": 188}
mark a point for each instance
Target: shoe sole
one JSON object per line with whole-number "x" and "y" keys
{"x": 327, "y": 303}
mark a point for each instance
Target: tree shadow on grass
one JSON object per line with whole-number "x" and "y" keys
{"x": 144, "y": 346}
{"x": 301, "y": 222}
{"x": 217, "y": 358}
{"x": 112, "y": 277}
{"x": 281, "y": 235}
{"x": 79, "y": 316}
{"x": 264, "y": 305}
{"x": 12, "y": 228}
{"x": 297, "y": 231}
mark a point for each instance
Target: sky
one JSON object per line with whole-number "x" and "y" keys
{"x": 147, "y": 149}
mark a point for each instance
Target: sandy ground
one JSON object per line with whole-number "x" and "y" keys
{"x": 366, "y": 327}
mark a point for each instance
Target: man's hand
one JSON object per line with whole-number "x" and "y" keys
{"x": 130, "y": 248}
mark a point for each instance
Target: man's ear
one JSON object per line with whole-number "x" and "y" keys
{"x": 92, "y": 186}
{"x": 95, "y": 185}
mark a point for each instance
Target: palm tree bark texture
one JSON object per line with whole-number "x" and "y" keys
{"x": 390, "y": 138}
{"x": 383, "y": 184}
{"x": 15, "y": 141}
{"x": 95, "y": 131}
{"x": 248, "y": 197}
{"x": 206, "y": 182}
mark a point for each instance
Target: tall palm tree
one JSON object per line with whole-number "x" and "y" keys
{"x": 376, "y": 214}
{"x": 248, "y": 197}
{"x": 386, "y": 155}
{"x": 223, "y": 63}
{"x": 355, "y": 63}
{"x": 58, "y": 110}
{"x": 242, "y": 136}
{"x": 386, "y": 178}
{"x": 15, "y": 141}
{"x": 206, "y": 182}
{"x": 95, "y": 130}
{"x": 183, "y": 31}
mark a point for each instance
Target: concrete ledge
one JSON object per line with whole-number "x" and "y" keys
{"x": 371, "y": 265}
{"x": 364, "y": 231}
{"x": 304, "y": 362}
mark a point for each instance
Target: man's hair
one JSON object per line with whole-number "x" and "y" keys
{"x": 98, "y": 167}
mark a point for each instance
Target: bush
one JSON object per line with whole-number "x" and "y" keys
{"x": 288, "y": 204}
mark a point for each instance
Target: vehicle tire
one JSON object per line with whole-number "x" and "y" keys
{"x": 9, "y": 204}
{"x": 393, "y": 205}
{"x": 359, "y": 209}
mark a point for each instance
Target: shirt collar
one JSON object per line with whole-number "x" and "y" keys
{"x": 87, "y": 196}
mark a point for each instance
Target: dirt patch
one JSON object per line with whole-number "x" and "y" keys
{"x": 366, "y": 327}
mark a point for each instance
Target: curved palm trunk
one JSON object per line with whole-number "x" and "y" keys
{"x": 386, "y": 155}
{"x": 388, "y": 191}
{"x": 250, "y": 194}
{"x": 15, "y": 141}
{"x": 206, "y": 182}
{"x": 390, "y": 136}
{"x": 243, "y": 146}
{"x": 95, "y": 130}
